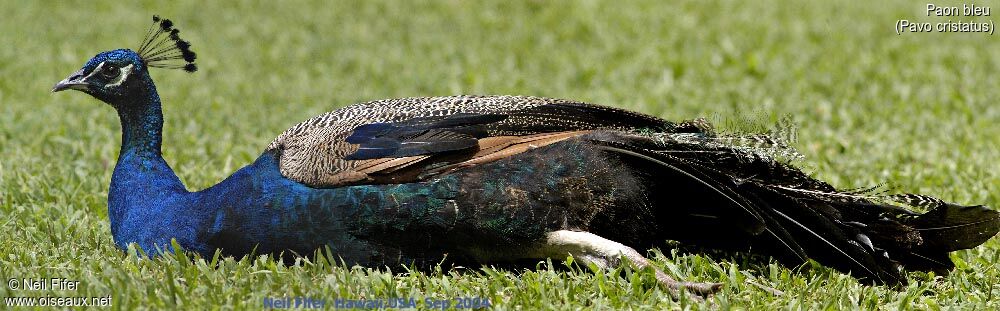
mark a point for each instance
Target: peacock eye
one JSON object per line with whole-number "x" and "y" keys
{"x": 110, "y": 71}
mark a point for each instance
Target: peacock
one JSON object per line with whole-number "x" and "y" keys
{"x": 489, "y": 179}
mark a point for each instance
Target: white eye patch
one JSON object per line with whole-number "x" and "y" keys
{"x": 124, "y": 72}
{"x": 93, "y": 72}
{"x": 122, "y": 75}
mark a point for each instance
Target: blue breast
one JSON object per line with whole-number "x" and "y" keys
{"x": 257, "y": 209}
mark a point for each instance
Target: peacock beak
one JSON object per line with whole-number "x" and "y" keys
{"x": 75, "y": 81}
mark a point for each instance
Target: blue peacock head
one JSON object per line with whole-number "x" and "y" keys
{"x": 114, "y": 76}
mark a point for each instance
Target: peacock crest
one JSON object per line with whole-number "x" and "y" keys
{"x": 162, "y": 47}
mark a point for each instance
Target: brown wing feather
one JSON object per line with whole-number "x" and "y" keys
{"x": 313, "y": 152}
{"x": 409, "y": 169}
{"x": 504, "y": 146}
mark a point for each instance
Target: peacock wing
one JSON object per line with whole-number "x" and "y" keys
{"x": 402, "y": 140}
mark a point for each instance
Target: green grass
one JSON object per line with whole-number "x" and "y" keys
{"x": 918, "y": 111}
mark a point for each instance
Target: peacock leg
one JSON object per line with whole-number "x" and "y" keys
{"x": 591, "y": 248}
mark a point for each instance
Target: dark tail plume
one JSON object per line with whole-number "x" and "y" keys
{"x": 741, "y": 192}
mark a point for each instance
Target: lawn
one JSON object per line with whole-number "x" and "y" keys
{"x": 918, "y": 112}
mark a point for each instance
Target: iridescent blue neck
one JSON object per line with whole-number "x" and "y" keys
{"x": 142, "y": 134}
{"x": 142, "y": 121}
{"x": 142, "y": 181}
